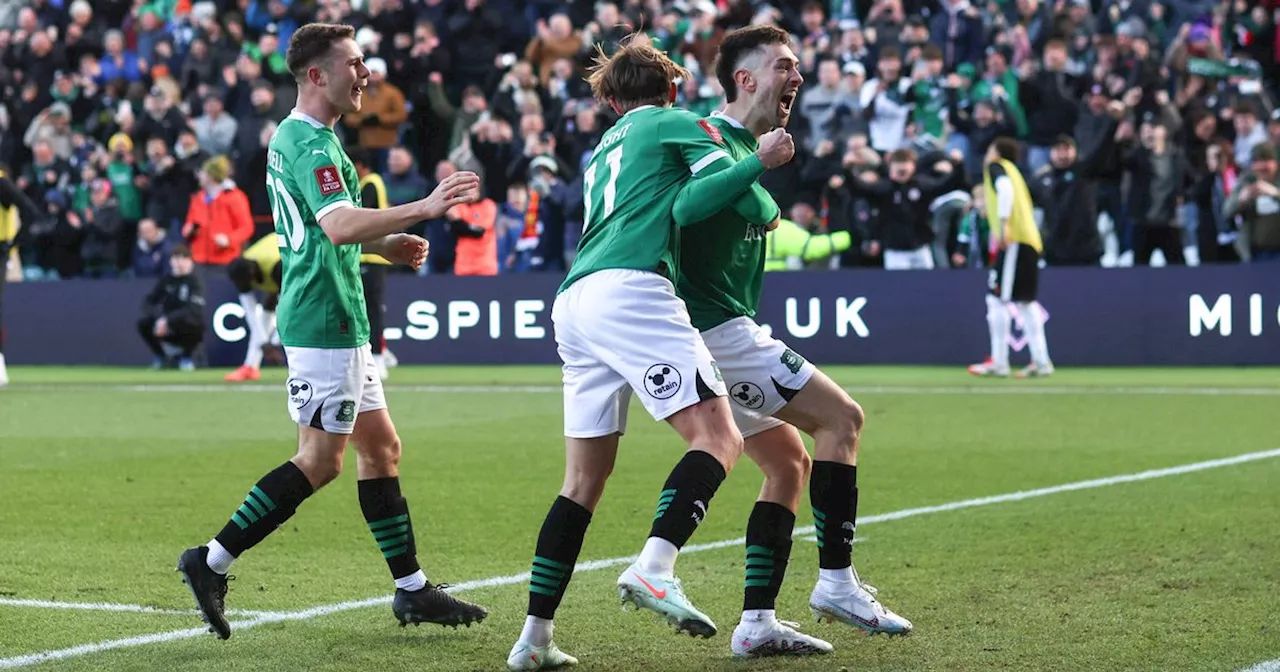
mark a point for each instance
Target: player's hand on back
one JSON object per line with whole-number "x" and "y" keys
{"x": 460, "y": 187}
{"x": 776, "y": 148}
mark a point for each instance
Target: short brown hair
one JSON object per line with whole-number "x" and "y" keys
{"x": 931, "y": 52}
{"x": 737, "y": 45}
{"x": 180, "y": 251}
{"x": 312, "y": 42}
{"x": 902, "y": 156}
{"x": 636, "y": 74}
{"x": 1007, "y": 148}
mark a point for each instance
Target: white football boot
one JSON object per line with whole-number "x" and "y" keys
{"x": 854, "y": 604}
{"x": 764, "y": 635}
{"x": 526, "y": 656}
{"x": 664, "y": 596}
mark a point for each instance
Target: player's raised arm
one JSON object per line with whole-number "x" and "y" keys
{"x": 719, "y": 181}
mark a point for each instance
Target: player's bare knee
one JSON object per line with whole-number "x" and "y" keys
{"x": 319, "y": 468}
{"x": 845, "y": 425}
{"x": 585, "y": 486}
{"x": 724, "y": 444}
{"x": 384, "y": 458}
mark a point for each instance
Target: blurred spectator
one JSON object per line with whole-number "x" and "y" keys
{"x": 54, "y": 127}
{"x": 798, "y": 242}
{"x": 215, "y": 129}
{"x": 886, "y": 102}
{"x": 1249, "y": 132}
{"x": 508, "y": 224}
{"x": 57, "y": 238}
{"x": 46, "y": 172}
{"x": 117, "y": 63}
{"x": 162, "y": 120}
{"x": 1067, "y": 191}
{"x": 102, "y": 227}
{"x": 151, "y": 250}
{"x": 126, "y": 183}
{"x": 172, "y": 323}
{"x": 1256, "y": 200}
{"x": 474, "y": 33}
{"x": 831, "y": 110}
{"x": 218, "y": 221}
{"x": 1160, "y": 172}
{"x": 477, "y": 249}
{"x": 171, "y": 179}
{"x": 381, "y": 113}
{"x": 959, "y": 32}
{"x": 904, "y": 229}
{"x": 556, "y": 39}
{"x": 1050, "y": 98}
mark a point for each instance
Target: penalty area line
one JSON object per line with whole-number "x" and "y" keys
{"x": 594, "y": 565}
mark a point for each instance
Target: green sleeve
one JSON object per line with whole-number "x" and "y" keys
{"x": 717, "y": 180}
{"x": 821, "y": 246}
{"x": 757, "y": 206}
{"x": 706, "y": 194}
{"x": 318, "y": 178}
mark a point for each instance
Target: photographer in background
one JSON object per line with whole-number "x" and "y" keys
{"x": 1256, "y": 200}
{"x": 172, "y": 323}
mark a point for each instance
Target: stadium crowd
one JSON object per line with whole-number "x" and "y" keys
{"x": 140, "y": 125}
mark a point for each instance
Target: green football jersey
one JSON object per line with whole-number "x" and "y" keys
{"x": 631, "y": 185}
{"x": 321, "y": 295}
{"x": 722, "y": 259}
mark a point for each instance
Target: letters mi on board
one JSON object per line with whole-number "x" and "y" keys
{"x": 427, "y": 321}
{"x": 1204, "y": 318}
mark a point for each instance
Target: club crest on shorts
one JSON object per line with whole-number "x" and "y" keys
{"x": 300, "y": 392}
{"x": 792, "y": 361}
{"x": 748, "y": 395}
{"x": 662, "y": 381}
{"x": 347, "y": 411}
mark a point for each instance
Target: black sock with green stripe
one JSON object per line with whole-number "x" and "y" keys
{"x": 268, "y": 504}
{"x": 768, "y": 550}
{"x": 833, "y": 492}
{"x": 686, "y": 496}
{"x": 387, "y": 514}
{"x": 559, "y": 543}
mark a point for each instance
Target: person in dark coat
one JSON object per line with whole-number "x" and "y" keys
{"x": 172, "y": 322}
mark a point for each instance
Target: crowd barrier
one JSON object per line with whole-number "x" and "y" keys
{"x": 1227, "y": 315}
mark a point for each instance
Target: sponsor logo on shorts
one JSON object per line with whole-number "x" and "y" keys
{"x": 748, "y": 395}
{"x": 347, "y": 411}
{"x": 662, "y": 381}
{"x": 300, "y": 392}
{"x": 792, "y": 361}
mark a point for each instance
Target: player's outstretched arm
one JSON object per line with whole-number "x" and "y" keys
{"x": 719, "y": 184}
{"x": 350, "y": 225}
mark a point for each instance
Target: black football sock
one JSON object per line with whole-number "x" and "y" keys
{"x": 833, "y": 493}
{"x": 387, "y": 514}
{"x": 686, "y": 496}
{"x": 268, "y": 504}
{"x": 559, "y": 543}
{"x": 768, "y": 549}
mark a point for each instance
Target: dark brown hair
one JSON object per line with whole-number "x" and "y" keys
{"x": 312, "y": 42}
{"x": 180, "y": 251}
{"x": 636, "y": 74}
{"x": 737, "y": 45}
{"x": 1007, "y": 148}
{"x": 902, "y": 156}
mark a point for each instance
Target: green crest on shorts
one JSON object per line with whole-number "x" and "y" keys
{"x": 792, "y": 361}
{"x": 347, "y": 411}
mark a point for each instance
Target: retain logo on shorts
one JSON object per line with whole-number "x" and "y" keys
{"x": 662, "y": 381}
{"x": 347, "y": 411}
{"x": 300, "y": 392}
{"x": 748, "y": 395}
{"x": 792, "y": 361}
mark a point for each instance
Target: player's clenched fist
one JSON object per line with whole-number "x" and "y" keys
{"x": 460, "y": 187}
{"x": 776, "y": 148}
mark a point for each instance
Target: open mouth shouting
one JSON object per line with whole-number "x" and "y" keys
{"x": 785, "y": 102}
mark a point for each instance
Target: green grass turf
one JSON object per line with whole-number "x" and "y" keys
{"x": 104, "y": 483}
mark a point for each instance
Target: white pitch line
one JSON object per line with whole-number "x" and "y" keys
{"x": 1265, "y": 666}
{"x": 593, "y": 565}
{"x": 995, "y": 389}
{"x": 113, "y": 606}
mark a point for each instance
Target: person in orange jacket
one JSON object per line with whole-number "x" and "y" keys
{"x": 473, "y": 224}
{"x": 219, "y": 222}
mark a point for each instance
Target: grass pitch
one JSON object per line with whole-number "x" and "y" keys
{"x": 106, "y": 475}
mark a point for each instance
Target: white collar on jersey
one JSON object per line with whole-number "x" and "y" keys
{"x": 295, "y": 113}
{"x": 637, "y": 109}
{"x": 728, "y": 119}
